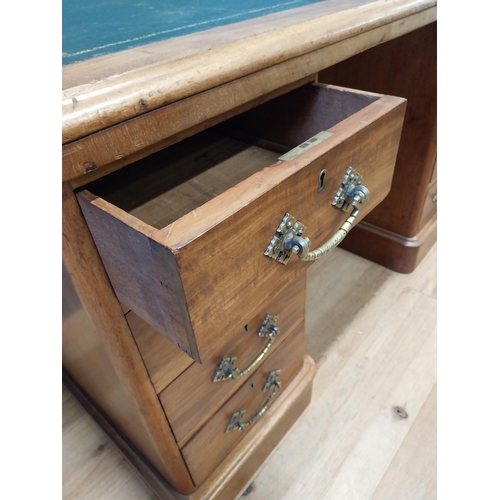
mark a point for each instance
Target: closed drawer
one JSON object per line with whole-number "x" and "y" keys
{"x": 212, "y": 443}
{"x": 182, "y": 233}
{"x": 194, "y": 396}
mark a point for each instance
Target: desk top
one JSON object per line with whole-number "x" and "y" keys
{"x": 98, "y": 27}
{"x": 105, "y": 97}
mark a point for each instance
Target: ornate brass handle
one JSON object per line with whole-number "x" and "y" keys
{"x": 303, "y": 250}
{"x": 225, "y": 370}
{"x": 235, "y": 423}
{"x": 290, "y": 241}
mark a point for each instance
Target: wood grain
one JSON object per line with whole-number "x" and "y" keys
{"x": 103, "y": 152}
{"x": 412, "y": 473}
{"x": 429, "y": 207}
{"x": 163, "y": 359}
{"x": 345, "y": 292}
{"x": 376, "y": 124}
{"x": 396, "y": 252}
{"x": 211, "y": 444}
{"x": 193, "y": 398}
{"x": 231, "y": 478}
{"x": 296, "y": 116}
{"x": 154, "y": 292}
{"x": 90, "y": 107}
{"x": 406, "y": 67}
{"x": 214, "y": 295}
{"x": 227, "y": 481}
{"x": 382, "y": 356}
{"x": 99, "y": 68}
{"x": 99, "y": 351}
{"x": 162, "y": 188}
{"x": 123, "y": 347}
{"x": 111, "y": 148}
{"x": 108, "y": 454}
{"x": 258, "y": 204}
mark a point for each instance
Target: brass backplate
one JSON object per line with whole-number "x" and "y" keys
{"x": 276, "y": 249}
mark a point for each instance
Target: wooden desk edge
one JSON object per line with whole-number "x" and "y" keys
{"x": 93, "y": 106}
{"x": 111, "y": 148}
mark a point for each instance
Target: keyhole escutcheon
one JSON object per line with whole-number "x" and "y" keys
{"x": 321, "y": 180}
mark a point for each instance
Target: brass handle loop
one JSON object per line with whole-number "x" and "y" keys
{"x": 334, "y": 241}
{"x": 225, "y": 370}
{"x": 290, "y": 240}
{"x": 235, "y": 423}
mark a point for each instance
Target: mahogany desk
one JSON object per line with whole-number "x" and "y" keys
{"x": 121, "y": 108}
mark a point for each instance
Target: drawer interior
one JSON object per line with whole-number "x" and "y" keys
{"x": 175, "y": 181}
{"x": 183, "y": 233}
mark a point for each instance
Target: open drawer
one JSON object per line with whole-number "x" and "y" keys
{"x": 183, "y": 233}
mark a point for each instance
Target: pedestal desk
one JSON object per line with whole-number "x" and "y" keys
{"x": 202, "y": 175}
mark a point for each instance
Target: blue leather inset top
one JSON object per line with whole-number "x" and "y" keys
{"x": 96, "y": 27}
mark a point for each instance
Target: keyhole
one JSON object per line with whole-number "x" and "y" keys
{"x": 246, "y": 328}
{"x": 321, "y": 180}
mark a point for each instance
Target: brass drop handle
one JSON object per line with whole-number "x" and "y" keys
{"x": 290, "y": 240}
{"x": 301, "y": 248}
{"x": 225, "y": 370}
{"x": 235, "y": 423}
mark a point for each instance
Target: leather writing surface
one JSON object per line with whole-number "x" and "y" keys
{"x": 97, "y": 27}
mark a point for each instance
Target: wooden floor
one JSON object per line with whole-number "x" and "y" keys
{"x": 373, "y": 334}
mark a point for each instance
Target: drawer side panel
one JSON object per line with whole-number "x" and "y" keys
{"x": 144, "y": 275}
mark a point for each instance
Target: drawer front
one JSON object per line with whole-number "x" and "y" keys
{"x": 212, "y": 443}
{"x": 194, "y": 397}
{"x": 206, "y": 270}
